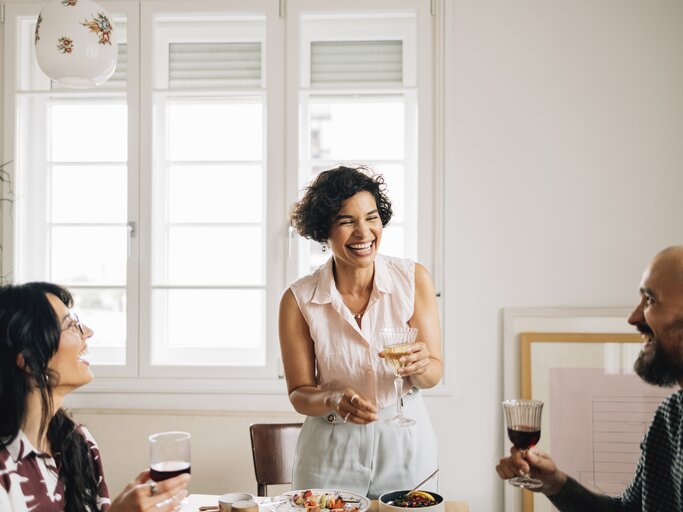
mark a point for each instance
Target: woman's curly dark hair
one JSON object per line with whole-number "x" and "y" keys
{"x": 313, "y": 214}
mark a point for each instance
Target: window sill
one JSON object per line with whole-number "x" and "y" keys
{"x": 186, "y": 393}
{"x": 194, "y": 394}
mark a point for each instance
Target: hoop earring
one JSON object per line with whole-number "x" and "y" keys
{"x": 324, "y": 247}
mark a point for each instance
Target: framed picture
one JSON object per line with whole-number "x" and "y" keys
{"x": 596, "y": 410}
{"x": 538, "y": 320}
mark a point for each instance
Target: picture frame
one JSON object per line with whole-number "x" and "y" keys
{"x": 517, "y": 320}
{"x": 596, "y": 408}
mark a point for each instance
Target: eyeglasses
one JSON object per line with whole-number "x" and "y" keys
{"x": 74, "y": 322}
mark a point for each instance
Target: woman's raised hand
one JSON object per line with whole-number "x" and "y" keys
{"x": 142, "y": 494}
{"x": 352, "y": 406}
{"x": 415, "y": 361}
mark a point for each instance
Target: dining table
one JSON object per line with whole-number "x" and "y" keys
{"x": 194, "y": 501}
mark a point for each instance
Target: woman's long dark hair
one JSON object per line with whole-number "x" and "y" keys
{"x": 29, "y": 326}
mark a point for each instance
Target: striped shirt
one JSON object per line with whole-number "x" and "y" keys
{"x": 29, "y": 479}
{"x": 656, "y": 486}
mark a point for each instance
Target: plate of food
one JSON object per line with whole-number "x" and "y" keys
{"x": 324, "y": 500}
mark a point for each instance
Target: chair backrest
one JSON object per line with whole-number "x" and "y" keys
{"x": 273, "y": 446}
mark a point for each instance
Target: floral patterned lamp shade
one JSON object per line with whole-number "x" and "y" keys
{"x": 75, "y": 43}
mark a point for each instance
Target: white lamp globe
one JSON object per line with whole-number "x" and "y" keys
{"x": 76, "y": 43}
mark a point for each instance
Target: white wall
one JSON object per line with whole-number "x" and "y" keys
{"x": 564, "y": 175}
{"x": 221, "y": 448}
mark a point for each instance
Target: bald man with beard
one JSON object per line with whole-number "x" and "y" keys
{"x": 658, "y": 483}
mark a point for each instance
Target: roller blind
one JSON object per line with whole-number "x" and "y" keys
{"x": 214, "y": 65}
{"x": 118, "y": 79}
{"x": 356, "y": 63}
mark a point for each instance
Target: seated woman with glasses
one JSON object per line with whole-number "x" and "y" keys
{"x": 48, "y": 462}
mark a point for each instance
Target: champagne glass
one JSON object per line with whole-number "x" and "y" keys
{"x": 523, "y": 418}
{"x": 396, "y": 341}
{"x": 169, "y": 455}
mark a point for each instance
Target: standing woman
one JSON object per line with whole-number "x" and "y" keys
{"x": 47, "y": 462}
{"x": 329, "y": 324}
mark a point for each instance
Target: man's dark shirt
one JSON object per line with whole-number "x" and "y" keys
{"x": 656, "y": 486}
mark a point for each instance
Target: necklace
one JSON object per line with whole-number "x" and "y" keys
{"x": 358, "y": 316}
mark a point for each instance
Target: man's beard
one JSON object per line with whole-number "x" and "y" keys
{"x": 657, "y": 366}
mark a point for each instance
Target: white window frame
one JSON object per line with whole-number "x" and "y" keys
{"x": 221, "y": 378}
{"x": 14, "y": 12}
{"x": 418, "y": 73}
{"x": 136, "y": 384}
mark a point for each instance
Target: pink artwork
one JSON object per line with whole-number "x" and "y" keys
{"x": 597, "y": 421}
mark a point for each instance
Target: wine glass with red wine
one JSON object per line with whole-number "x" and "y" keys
{"x": 169, "y": 455}
{"x": 523, "y": 418}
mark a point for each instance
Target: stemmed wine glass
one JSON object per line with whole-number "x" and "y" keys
{"x": 396, "y": 341}
{"x": 523, "y": 418}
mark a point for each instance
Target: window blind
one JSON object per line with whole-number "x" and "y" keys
{"x": 118, "y": 79}
{"x": 214, "y": 65}
{"x": 356, "y": 62}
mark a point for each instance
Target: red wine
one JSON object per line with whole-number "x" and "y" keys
{"x": 524, "y": 436}
{"x": 165, "y": 470}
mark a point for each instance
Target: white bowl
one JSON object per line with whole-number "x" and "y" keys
{"x": 387, "y": 497}
{"x": 226, "y": 501}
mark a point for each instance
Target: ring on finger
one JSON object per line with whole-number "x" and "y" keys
{"x": 347, "y": 416}
{"x": 353, "y": 398}
{"x": 153, "y": 489}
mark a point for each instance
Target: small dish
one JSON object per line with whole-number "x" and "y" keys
{"x": 386, "y": 502}
{"x": 225, "y": 502}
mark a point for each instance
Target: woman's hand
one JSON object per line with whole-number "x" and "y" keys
{"x": 352, "y": 407}
{"x": 535, "y": 462}
{"x": 142, "y": 494}
{"x": 416, "y": 360}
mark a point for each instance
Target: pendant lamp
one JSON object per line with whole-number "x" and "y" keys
{"x": 75, "y": 43}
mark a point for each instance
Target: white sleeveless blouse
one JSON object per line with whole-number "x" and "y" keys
{"x": 347, "y": 355}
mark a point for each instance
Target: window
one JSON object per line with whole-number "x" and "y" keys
{"x": 208, "y": 191}
{"x": 358, "y": 104}
{"x": 161, "y": 197}
{"x": 71, "y": 168}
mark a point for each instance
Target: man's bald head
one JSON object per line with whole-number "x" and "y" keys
{"x": 672, "y": 257}
{"x": 670, "y": 261}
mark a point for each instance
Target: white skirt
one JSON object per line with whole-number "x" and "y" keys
{"x": 367, "y": 459}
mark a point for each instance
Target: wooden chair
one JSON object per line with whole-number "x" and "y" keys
{"x": 273, "y": 446}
